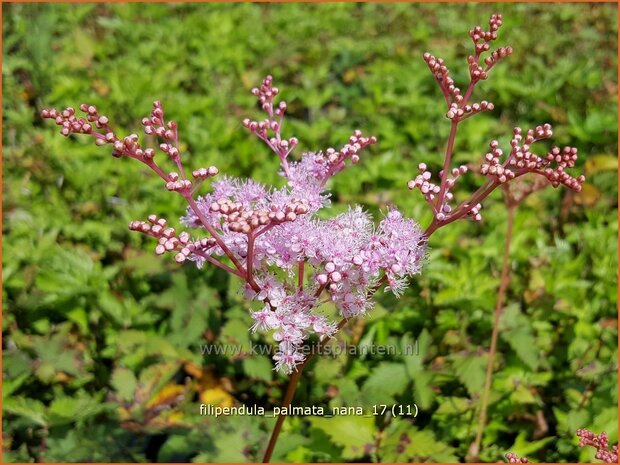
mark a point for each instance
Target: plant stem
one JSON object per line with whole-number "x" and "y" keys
{"x": 205, "y": 222}
{"x": 290, "y": 391}
{"x": 501, "y": 295}
{"x": 288, "y": 397}
{"x": 250, "y": 257}
{"x": 446, "y": 163}
{"x": 300, "y": 274}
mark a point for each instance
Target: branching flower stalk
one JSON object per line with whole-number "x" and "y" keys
{"x": 498, "y": 169}
{"x": 272, "y": 238}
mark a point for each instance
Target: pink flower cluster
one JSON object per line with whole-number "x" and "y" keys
{"x": 272, "y": 238}
{"x": 601, "y": 443}
{"x": 290, "y": 259}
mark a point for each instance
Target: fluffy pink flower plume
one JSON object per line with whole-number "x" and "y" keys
{"x": 272, "y": 238}
{"x": 601, "y": 443}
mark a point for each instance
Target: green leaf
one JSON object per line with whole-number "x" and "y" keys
{"x": 424, "y": 446}
{"x": 124, "y": 383}
{"x": 65, "y": 410}
{"x": 403, "y": 442}
{"x": 517, "y": 331}
{"x": 524, "y": 445}
{"x": 471, "y": 370}
{"x": 258, "y": 367}
{"x": 597, "y": 163}
{"x": 354, "y": 433}
{"x": 414, "y": 361}
{"x": 30, "y": 409}
{"x": 453, "y": 405}
{"x": 386, "y": 381}
{"x": 235, "y": 332}
{"x": 423, "y": 393}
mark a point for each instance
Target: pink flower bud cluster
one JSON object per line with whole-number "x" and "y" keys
{"x": 514, "y": 458}
{"x": 156, "y": 125}
{"x": 169, "y": 241}
{"x": 481, "y": 37}
{"x": 430, "y": 190}
{"x": 97, "y": 126}
{"x": 500, "y": 169}
{"x": 441, "y": 73}
{"x": 269, "y": 129}
{"x": 496, "y": 166}
{"x": 456, "y": 113}
{"x": 601, "y": 443}
{"x": 245, "y": 220}
{"x": 335, "y": 160}
{"x": 266, "y": 93}
{"x": 93, "y": 124}
{"x": 178, "y": 185}
{"x": 458, "y": 108}
{"x": 69, "y": 123}
{"x": 482, "y": 40}
{"x": 262, "y": 128}
{"x": 204, "y": 173}
{"x": 521, "y": 160}
{"x": 477, "y": 72}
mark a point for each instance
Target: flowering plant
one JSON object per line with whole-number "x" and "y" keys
{"x": 287, "y": 257}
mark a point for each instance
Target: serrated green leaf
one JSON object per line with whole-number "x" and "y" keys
{"x": 124, "y": 383}
{"x": 354, "y": 433}
{"x": 385, "y": 382}
{"x": 30, "y": 409}
{"x": 471, "y": 370}
{"x": 258, "y": 367}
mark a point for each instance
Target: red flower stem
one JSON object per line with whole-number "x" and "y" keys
{"x": 468, "y": 92}
{"x": 249, "y": 275}
{"x": 300, "y": 274}
{"x": 320, "y": 290}
{"x": 476, "y": 198}
{"x": 446, "y": 164}
{"x": 197, "y": 186}
{"x": 451, "y": 138}
{"x": 250, "y": 260}
{"x": 223, "y": 266}
{"x": 446, "y": 92}
{"x": 155, "y": 167}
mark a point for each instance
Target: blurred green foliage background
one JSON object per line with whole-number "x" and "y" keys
{"x": 101, "y": 339}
